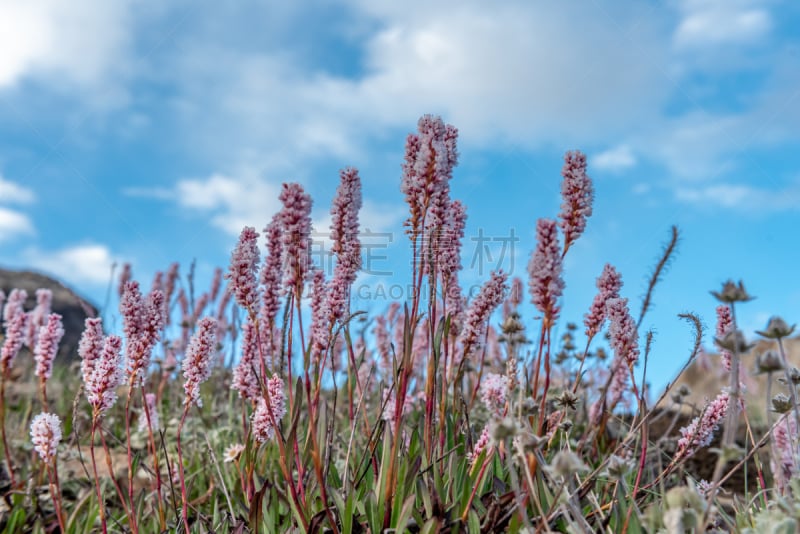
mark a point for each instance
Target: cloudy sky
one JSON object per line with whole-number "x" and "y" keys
{"x": 136, "y": 131}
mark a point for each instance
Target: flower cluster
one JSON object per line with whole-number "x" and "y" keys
{"x": 270, "y": 276}
{"x": 295, "y": 221}
{"x": 15, "y": 321}
{"x": 247, "y": 372}
{"x": 47, "y": 345}
{"x": 263, "y": 417}
{"x": 106, "y": 375}
{"x": 242, "y": 272}
{"x": 197, "y": 362}
{"x": 608, "y": 285}
{"x": 46, "y": 435}
{"x": 544, "y": 268}
{"x": 494, "y": 392}
{"x": 477, "y": 317}
{"x": 700, "y": 431}
{"x": 38, "y": 317}
{"x": 577, "y": 193}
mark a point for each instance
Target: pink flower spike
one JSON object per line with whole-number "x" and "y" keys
{"x": 700, "y": 431}
{"x": 577, "y": 193}
{"x": 152, "y": 409}
{"x": 480, "y": 309}
{"x": 545, "y": 283}
{"x": 102, "y": 384}
{"x": 124, "y": 277}
{"x": 14, "y": 305}
{"x": 46, "y": 435}
{"x": 263, "y": 429}
{"x": 243, "y": 269}
{"x": 494, "y": 392}
{"x": 15, "y": 336}
{"x": 270, "y": 276}
{"x": 47, "y": 346}
{"x": 608, "y": 285}
{"x": 346, "y": 245}
{"x": 724, "y": 325}
{"x": 90, "y": 346}
{"x": 295, "y": 222}
{"x": 44, "y": 300}
{"x": 247, "y": 373}
{"x": 197, "y": 362}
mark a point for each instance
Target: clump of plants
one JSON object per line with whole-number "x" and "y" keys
{"x": 269, "y": 404}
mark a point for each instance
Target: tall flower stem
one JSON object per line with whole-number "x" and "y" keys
{"x": 131, "y": 511}
{"x": 181, "y": 475}
{"x": 6, "y": 448}
{"x": 55, "y": 492}
{"x": 162, "y": 520}
{"x": 100, "y": 501}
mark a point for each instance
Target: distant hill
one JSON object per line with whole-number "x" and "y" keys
{"x": 73, "y": 308}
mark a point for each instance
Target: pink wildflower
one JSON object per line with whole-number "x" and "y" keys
{"x": 390, "y": 406}
{"x": 102, "y": 384}
{"x": 494, "y": 392}
{"x": 346, "y": 245}
{"x": 90, "y": 346}
{"x": 199, "y": 306}
{"x": 700, "y": 431}
{"x": 158, "y": 282}
{"x": 383, "y": 343}
{"x": 784, "y": 463}
{"x": 15, "y": 321}
{"x": 448, "y": 250}
{"x": 295, "y": 222}
{"x": 247, "y": 373}
{"x": 125, "y": 276}
{"x": 608, "y": 285}
{"x": 480, "y": 309}
{"x": 169, "y": 289}
{"x": 44, "y": 300}
{"x": 429, "y": 160}
{"x": 545, "y": 283}
{"x": 47, "y": 345}
{"x": 483, "y": 443}
{"x": 263, "y": 417}
{"x": 197, "y": 362}
{"x": 14, "y": 305}
{"x": 320, "y": 313}
{"x": 142, "y": 322}
{"x": 270, "y": 276}
{"x": 46, "y": 435}
{"x": 216, "y": 284}
{"x": 622, "y": 333}
{"x": 577, "y": 194}
{"x": 514, "y": 299}
{"x": 243, "y": 269}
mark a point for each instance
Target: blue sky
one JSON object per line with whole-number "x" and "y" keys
{"x": 150, "y": 133}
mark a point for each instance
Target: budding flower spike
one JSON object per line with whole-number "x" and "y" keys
{"x": 197, "y": 362}
{"x": 46, "y": 435}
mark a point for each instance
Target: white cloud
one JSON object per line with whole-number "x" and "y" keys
{"x": 742, "y": 197}
{"x": 721, "y": 22}
{"x": 77, "y": 42}
{"x": 614, "y": 159}
{"x": 13, "y": 193}
{"x": 14, "y": 224}
{"x": 81, "y": 264}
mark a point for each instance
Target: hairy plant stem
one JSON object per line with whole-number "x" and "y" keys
{"x": 100, "y": 502}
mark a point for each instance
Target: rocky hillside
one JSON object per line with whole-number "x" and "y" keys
{"x": 73, "y": 308}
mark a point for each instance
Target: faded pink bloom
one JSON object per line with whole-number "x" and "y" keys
{"x": 622, "y": 333}
{"x": 480, "y": 309}
{"x": 784, "y": 463}
{"x": 390, "y": 406}
{"x": 483, "y": 443}
{"x": 152, "y": 409}
{"x": 46, "y": 435}
{"x": 448, "y": 250}
{"x": 90, "y": 346}
{"x": 142, "y": 323}
{"x": 37, "y": 317}
{"x": 101, "y": 387}
{"x": 233, "y": 452}
{"x": 15, "y": 321}
{"x": 47, "y": 345}
{"x": 494, "y": 392}
{"x": 545, "y": 283}
{"x": 429, "y": 160}
{"x": 320, "y": 314}
{"x": 724, "y": 325}
{"x": 216, "y": 284}
{"x": 346, "y": 245}
{"x": 577, "y": 194}
{"x": 243, "y": 269}
{"x": 264, "y": 416}
{"x": 271, "y": 271}
{"x": 295, "y": 222}
{"x": 608, "y": 285}
{"x": 158, "y": 282}
{"x": 247, "y": 373}
{"x": 700, "y": 431}
{"x": 125, "y": 276}
{"x": 14, "y": 305}
{"x": 197, "y": 362}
